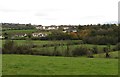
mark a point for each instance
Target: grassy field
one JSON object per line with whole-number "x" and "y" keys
{"x": 0, "y": 65}
{"x": 72, "y": 47}
{"x": 41, "y": 42}
{"x": 23, "y": 31}
{"x": 44, "y": 42}
{"x": 19, "y": 31}
{"x": 44, "y": 65}
{"x": 0, "y": 43}
{"x": 112, "y": 55}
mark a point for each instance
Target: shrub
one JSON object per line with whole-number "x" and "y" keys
{"x": 117, "y": 47}
{"x": 101, "y": 40}
{"x": 105, "y": 49}
{"x": 90, "y": 53}
{"x": 95, "y": 50}
{"x": 9, "y": 46}
{"x": 79, "y": 51}
{"x": 67, "y": 51}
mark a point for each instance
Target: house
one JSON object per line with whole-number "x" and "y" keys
{"x": 65, "y": 27}
{"x": 52, "y": 27}
{"x": 73, "y": 30}
{"x": 1, "y": 37}
{"x": 21, "y": 35}
{"x": 39, "y": 27}
{"x": 39, "y": 34}
{"x": 64, "y": 31}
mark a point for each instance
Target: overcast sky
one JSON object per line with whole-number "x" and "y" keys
{"x": 56, "y": 12}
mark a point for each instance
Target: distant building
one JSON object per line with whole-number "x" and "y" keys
{"x": 66, "y": 28}
{"x": 1, "y": 37}
{"x": 52, "y": 27}
{"x": 39, "y": 34}
{"x": 21, "y": 35}
{"x": 39, "y": 27}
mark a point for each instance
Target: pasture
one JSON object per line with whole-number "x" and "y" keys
{"x": 45, "y": 65}
{"x": 42, "y": 42}
{"x": 12, "y": 32}
{"x": 1, "y": 43}
{"x": 114, "y": 54}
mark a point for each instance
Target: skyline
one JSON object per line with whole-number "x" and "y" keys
{"x": 59, "y": 12}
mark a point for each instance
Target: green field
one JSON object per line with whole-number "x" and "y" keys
{"x": 0, "y": 43}
{"x": 19, "y": 31}
{"x": 44, "y": 65}
{"x": 51, "y": 65}
{"x": 42, "y": 42}
{"x": 114, "y": 54}
{"x": 23, "y": 31}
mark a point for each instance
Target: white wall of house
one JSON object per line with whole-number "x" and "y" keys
{"x": 39, "y": 28}
{"x": 1, "y": 37}
{"x": 21, "y": 35}
{"x": 65, "y": 27}
{"x": 47, "y": 27}
{"x": 39, "y": 35}
{"x": 74, "y": 30}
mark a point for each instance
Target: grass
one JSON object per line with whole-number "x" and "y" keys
{"x": 0, "y": 43}
{"x": 11, "y": 32}
{"x": 19, "y": 31}
{"x": 44, "y": 65}
{"x": 0, "y": 65}
{"x": 71, "y": 47}
{"x": 41, "y": 42}
{"x": 112, "y": 55}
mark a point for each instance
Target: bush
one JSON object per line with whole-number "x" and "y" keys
{"x": 56, "y": 52}
{"x": 79, "y": 51}
{"x": 95, "y": 50}
{"x": 67, "y": 52}
{"x": 101, "y": 40}
{"x": 105, "y": 49}
{"x": 8, "y": 47}
{"x": 117, "y": 47}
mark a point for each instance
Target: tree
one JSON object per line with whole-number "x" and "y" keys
{"x": 9, "y": 46}
{"x": 5, "y": 35}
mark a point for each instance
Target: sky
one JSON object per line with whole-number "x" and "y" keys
{"x": 59, "y": 12}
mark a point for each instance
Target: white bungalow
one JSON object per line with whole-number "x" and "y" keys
{"x": 21, "y": 35}
{"x": 39, "y": 35}
{"x": 1, "y": 37}
{"x": 39, "y": 27}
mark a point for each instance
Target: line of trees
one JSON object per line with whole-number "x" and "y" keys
{"x": 17, "y": 26}
{"x": 99, "y": 34}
